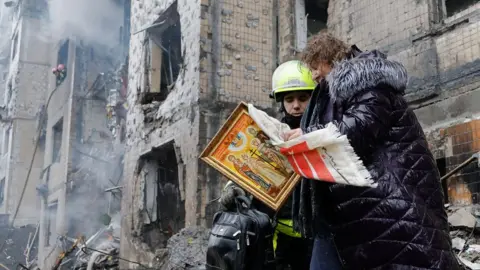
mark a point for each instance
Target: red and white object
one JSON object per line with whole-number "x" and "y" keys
{"x": 324, "y": 155}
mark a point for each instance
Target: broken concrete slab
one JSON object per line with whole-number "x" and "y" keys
{"x": 461, "y": 217}
{"x": 458, "y": 243}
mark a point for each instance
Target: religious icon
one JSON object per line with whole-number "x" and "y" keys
{"x": 241, "y": 151}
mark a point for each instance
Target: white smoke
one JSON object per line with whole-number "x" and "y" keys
{"x": 93, "y": 21}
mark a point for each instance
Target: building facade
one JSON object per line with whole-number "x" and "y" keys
{"x": 439, "y": 43}
{"x": 26, "y": 82}
{"x": 62, "y": 140}
{"x": 192, "y": 62}
{"x": 85, "y": 133}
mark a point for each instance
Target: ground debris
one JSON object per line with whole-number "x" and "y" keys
{"x": 186, "y": 250}
{"x": 461, "y": 217}
{"x": 465, "y": 235}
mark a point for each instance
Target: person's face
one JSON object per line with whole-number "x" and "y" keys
{"x": 295, "y": 103}
{"x": 320, "y": 71}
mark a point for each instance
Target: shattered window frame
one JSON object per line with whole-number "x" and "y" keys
{"x": 164, "y": 59}
{"x": 315, "y": 15}
{"x": 310, "y": 17}
{"x": 57, "y": 137}
{"x": 163, "y": 204}
{"x": 452, "y": 7}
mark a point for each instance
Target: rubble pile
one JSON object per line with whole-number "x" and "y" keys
{"x": 19, "y": 245}
{"x": 465, "y": 235}
{"x": 185, "y": 250}
{"x": 105, "y": 257}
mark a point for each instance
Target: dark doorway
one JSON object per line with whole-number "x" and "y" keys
{"x": 164, "y": 213}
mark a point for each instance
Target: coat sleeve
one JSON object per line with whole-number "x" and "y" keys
{"x": 365, "y": 120}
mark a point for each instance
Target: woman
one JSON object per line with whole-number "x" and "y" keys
{"x": 401, "y": 224}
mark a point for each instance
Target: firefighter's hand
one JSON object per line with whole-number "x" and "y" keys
{"x": 292, "y": 134}
{"x": 229, "y": 193}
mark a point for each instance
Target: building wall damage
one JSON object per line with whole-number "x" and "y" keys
{"x": 226, "y": 53}
{"x": 438, "y": 41}
{"x": 141, "y": 95}
{"x": 241, "y": 42}
{"x": 61, "y": 173}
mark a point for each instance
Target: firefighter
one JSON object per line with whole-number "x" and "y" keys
{"x": 292, "y": 85}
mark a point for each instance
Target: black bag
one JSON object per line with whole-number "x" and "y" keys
{"x": 241, "y": 239}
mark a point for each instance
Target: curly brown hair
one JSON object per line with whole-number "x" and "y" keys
{"x": 324, "y": 48}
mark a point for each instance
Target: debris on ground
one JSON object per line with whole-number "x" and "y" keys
{"x": 465, "y": 235}
{"x": 19, "y": 245}
{"x": 461, "y": 217}
{"x": 185, "y": 250}
{"x": 188, "y": 249}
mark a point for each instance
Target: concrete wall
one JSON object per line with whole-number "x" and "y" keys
{"x": 154, "y": 124}
{"x": 75, "y": 179}
{"x": 236, "y": 56}
{"x": 59, "y": 110}
{"x": 28, "y": 77}
{"x": 241, "y": 44}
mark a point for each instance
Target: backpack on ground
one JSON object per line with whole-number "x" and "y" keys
{"x": 241, "y": 239}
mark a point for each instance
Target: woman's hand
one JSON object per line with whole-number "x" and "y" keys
{"x": 292, "y": 134}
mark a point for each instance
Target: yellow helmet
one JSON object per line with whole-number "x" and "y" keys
{"x": 291, "y": 76}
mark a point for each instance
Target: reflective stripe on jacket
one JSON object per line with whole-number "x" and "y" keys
{"x": 284, "y": 226}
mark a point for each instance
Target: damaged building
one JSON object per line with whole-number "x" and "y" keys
{"x": 85, "y": 131}
{"x": 144, "y": 106}
{"x": 23, "y": 66}
{"x": 63, "y": 127}
{"x": 192, "y": 62}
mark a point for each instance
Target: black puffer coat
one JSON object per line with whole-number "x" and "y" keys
{"x": 402, "y": 223}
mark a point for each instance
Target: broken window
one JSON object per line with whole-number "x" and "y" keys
{"x": 57, "y": 141}
{"x": 14, "y": 45}
{"x": 310, "y": 18}
{"x": 316, "y": 12}
{"x": 455, "y": 6}
{"x": 62, "y": 56}
{"x": 164, "y": 59}
{"x": 52, "y": 209}
{"x": 164, "y": 207}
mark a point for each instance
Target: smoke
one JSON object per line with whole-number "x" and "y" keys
{"x": 92, "y": 21}
{"x": 97, "y": 167}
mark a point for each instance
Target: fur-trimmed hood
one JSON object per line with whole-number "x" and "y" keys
{"x": 366, "y": 70}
